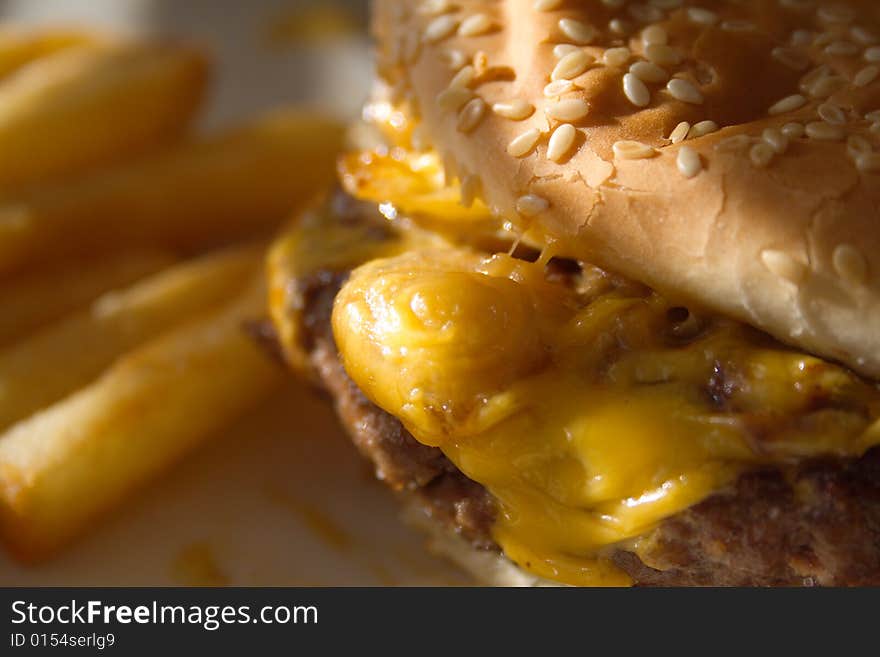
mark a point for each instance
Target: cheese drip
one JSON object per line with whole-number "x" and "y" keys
{"x": 585, "y": 412}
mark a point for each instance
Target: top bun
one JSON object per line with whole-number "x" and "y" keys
{"x": 768, "y": 212}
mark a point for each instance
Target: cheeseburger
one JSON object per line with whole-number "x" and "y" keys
{"x": 599, "y": 292}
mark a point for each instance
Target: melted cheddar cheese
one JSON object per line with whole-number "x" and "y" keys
{"x": 591, "y": 409}
{"x": 582, "y": 411}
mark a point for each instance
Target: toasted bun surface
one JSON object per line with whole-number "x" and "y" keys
{"x": 774, "y": 218}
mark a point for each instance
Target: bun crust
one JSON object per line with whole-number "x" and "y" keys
{"x": 782, "y": 232}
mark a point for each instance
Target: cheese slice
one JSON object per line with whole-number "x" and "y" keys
{"x": 583, "y": 409}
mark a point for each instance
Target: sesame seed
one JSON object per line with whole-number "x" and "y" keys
{"x": 737, "y": 26}
{"x": 831, "y": 113}
{"x": 471, "y": 115}
{"x": 435, "y": 7}
{"x": 702, "y": 16}
{"x": 515, "y": 110}
{"x": 793, "y": 130}
{"x": 823, "y": 39}
{"x": 685, "y": 91}
{"x": 632, "y": 150}
{"x": 453, "y": 98}
{"x": 850, "y": 264}
{"x": 616, "y": 56}
{"x": 475, "y": 25}
{"x": 836, "y": 14}
{"x": 618, "y": 26}
{"x": 680, "y": 132}
{"x": 560, "y": 50}
{"x": 557, "y": 88}
{"x": 775, "y": 139}
{"x": 868, "y": 162}
{"x": 521, "y": 145}
{"x": 826, "y": 86}
{"x": 546, "y": 5}
{"x": 464, "y": 78}
{"x": 783, "y": 265}
{"x": 654, "y": 34}
{"x": 792, "y": 58}
{"x": 571, "y": 109}
{"x": 814, "y": 76}
{"x": 572, "y": 65}
{"x": 439, "y": 28}
{"x": 636, "y": 91}
{"x": 561, "y": 142}
{"x": 454, "y": 58}
{"x": 645, "y": 13}
{"x": 824, "y": 131}
{"x": 787, "y": 104}
{"x": 875, "y": 128}
{"x": 842, "y": 48}
{"x": 872, "y": 54}
{"x": 648, "y": 72}
{"x": 801, "y": 38}
{"x": 863, "y": 35}
{"x": 688, "y": 162}
{"x": 866, "y": 76}
{"x": 857, "y": 145}
{"x": 530, "y": 205}
{"x": 663, "y": 55}
{"x": 702, "y": 129}
{"x": 761, "y": 154}
{"x": 578, "y": 32}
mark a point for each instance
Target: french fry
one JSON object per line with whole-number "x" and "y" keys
{"x": 237, "y": 184}
{"x": 31, "y": 301}
{"x": 20, "y": 46}
{"x": 81, "y": 457}
{"x": 83, "y": 107}
{"x": 57, "y": 360}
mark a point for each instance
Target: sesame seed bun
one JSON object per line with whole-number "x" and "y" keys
{"x": 769, "y": 210}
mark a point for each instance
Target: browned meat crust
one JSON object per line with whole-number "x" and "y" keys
{"x": 815, "y": 524}
{"x": 399, "y": 459}
{"x": 818, "y": 524}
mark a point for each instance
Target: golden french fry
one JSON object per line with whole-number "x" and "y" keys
{"x": 83, "y": 107}
{"x": 20, "y": 46}
{"x": 31, "y": 301}
{"x": 237, "y": 184}
{"x": 79, "y": 458}
{"x": 57, "y": 360}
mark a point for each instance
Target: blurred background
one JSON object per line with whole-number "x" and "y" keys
{"x": 265, "y": 51}
{"x": 281, "y": 498}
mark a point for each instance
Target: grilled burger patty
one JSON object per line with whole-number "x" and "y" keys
{"x": 817, "y": 523}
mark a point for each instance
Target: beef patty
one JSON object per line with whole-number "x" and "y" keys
{"x": 816, "y": 523}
